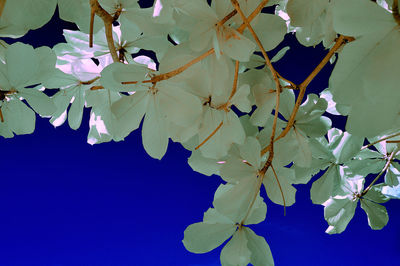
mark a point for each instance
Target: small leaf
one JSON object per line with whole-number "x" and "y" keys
{"x": 377, "y": 214}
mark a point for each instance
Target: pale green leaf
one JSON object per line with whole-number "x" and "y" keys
{"x": 20, "y": 118}
{"x": 358, "y": 17}
{"x": 203, "y": 237}
{"x": 203, "y": 165}
{"x": 281, "y": 184}
{"x": 236, "y": 252}
{"x": 260, "y": 252}
{"x": 76, "y": 111}
{"x": 21, "y": 64}
{"x": 154, "y": 129}
{"x": 305, "y": 12}
{"x": 270, "y": 29}
{"x": 377, "y": 214}
{"x": 338, "y": 213}
{"x": 280, "y": 54}
{"x": 326, "y": 185}
{"x": 39, "y": 101}
{"x": 129, "y": 111}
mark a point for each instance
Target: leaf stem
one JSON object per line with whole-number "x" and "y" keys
{"x": 380, "y": 140}
{"x": 280, "y": 188}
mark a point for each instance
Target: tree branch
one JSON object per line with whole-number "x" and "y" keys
{"x": 303, "y": 86}
{"x": 380, "y": 140}
{"x": 108, "y": 20}
{"x": 1, "y": 116}
{"x": 2, "y": 4}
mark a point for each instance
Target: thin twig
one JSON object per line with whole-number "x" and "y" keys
{"x": 209, "y": 137}
{"x": 92, "y": 14}
{"x": 89, "y": 81}
{"x": 235, "y": 81}
{"x": 380, "y": 140}
{"x": 389, "y": 161}
{"x": 280, "y": 188}
{"x": 226, "y": 18}
{"x": 292, "y": 84}
{"x": 2, "y": 4}
{"x": 108, "y": 20}
{"x": 303, "y": 86}
{"x": 95, "y": 88}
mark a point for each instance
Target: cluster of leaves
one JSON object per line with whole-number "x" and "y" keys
{"x": 208, "y": 66}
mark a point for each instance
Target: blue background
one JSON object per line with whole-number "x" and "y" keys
{"x": 65, "y": 202}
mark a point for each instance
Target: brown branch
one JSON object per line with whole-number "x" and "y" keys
{"x": 2, "y": 4}
{"x": 269, "y": 64}
{"x": 210, "y": 136}
{"x": 92, "y": 13}
{"x": 292, "y": 84}
{"x": 280, "y": 188}
{"x": 108, "y": 20}
{"x": 303, "y": 86}
{"x": 268, "y": 163}
{"x": 95, "y": 88}
{"x": 395, "y": 10}
{"x": 235, "y": 80}
{"x": 1, "y": 116}
{"x": 118, "y": 12}
{"x": 89, "y": 81}
{"x": 226, "y": 18}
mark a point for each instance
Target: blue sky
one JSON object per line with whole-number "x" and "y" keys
{"x": 65, "y": 202}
